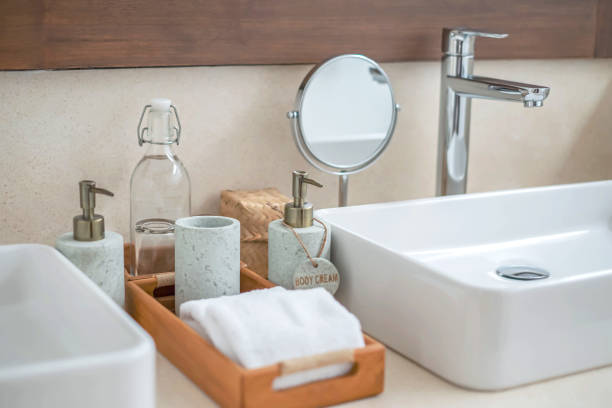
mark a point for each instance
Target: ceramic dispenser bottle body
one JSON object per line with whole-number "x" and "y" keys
{"x": 160, "y": 191}
{"x": 285, "y": 252}
{"x": 96, "y": 252}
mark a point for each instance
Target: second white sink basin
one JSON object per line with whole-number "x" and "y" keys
{"x": 64, "y": 342}
{"x": 422, "y": 276}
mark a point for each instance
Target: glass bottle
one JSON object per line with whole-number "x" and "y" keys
{"x": 160, "y": 191}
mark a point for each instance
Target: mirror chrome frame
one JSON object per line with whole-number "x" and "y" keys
{"x": 298, "y": 131}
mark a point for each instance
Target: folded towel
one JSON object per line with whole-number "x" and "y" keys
{"x": 266, "y": 326}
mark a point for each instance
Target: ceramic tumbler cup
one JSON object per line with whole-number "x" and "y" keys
{"x": 207, "y": 258}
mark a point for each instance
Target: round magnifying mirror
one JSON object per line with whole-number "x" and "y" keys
{"x": 344, "y": 117}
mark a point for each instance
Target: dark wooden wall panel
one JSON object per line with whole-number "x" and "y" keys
{"x": 119, "y": 33}
{"x": 21, "y": 34}
{"x": 603, "y": 44}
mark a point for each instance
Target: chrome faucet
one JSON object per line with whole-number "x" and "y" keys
{"x": 457, "y": 88}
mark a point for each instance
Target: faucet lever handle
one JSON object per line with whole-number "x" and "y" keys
{"x": 460, "y": 41}
{"x": 478, "y": 33}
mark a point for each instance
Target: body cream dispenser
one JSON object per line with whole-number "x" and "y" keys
{"x": 297, "y": 239}
{"x": 96, "y": 252}
{"x": 160, "y": 191}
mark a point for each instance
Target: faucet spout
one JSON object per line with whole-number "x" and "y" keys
{"x": 498, "y": 89}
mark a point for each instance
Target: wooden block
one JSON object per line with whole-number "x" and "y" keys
{"x": 255, "y": 209}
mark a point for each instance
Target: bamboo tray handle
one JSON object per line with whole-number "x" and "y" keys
{"x": 164, "y": 279}
{"x": 151, "y": 282}
{"x": 319, "y": 360}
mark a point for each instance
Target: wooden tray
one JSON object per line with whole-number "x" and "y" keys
{"x": 231, "y": 385}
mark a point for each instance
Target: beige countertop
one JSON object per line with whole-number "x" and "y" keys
{"x": 408, "y": 385}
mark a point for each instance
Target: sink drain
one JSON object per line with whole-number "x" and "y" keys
{"x": 522, "y": 272}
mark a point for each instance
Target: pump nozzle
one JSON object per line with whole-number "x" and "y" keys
{"x": 89, "y": 226}
{"x": 299, "y": 213}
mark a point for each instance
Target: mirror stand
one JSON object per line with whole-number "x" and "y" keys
{"x": 343, "y": 190}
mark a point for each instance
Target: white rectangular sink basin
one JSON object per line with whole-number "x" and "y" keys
{"x": 64, "y": 342}
{"x": 421, "y": 276}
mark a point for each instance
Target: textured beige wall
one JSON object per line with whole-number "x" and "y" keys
{"x": 60, "y": 127}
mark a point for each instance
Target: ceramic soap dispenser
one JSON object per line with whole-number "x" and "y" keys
{"x": 296, "y": 240}
{"x": 98, "y": 253}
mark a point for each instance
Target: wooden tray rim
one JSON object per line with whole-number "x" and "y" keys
{"x": 370, "y": 343}
{"x": 229, "y": 384}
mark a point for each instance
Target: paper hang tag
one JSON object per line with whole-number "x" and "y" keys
{"x": 325, "y": 275}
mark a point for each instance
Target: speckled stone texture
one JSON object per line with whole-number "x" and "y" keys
{"x": 285, "y": 253}
{"x": 207, "y": 258}
{"x": 101, "y": 261}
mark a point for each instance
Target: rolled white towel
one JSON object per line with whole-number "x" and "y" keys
{"x": 266, "y": 326}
